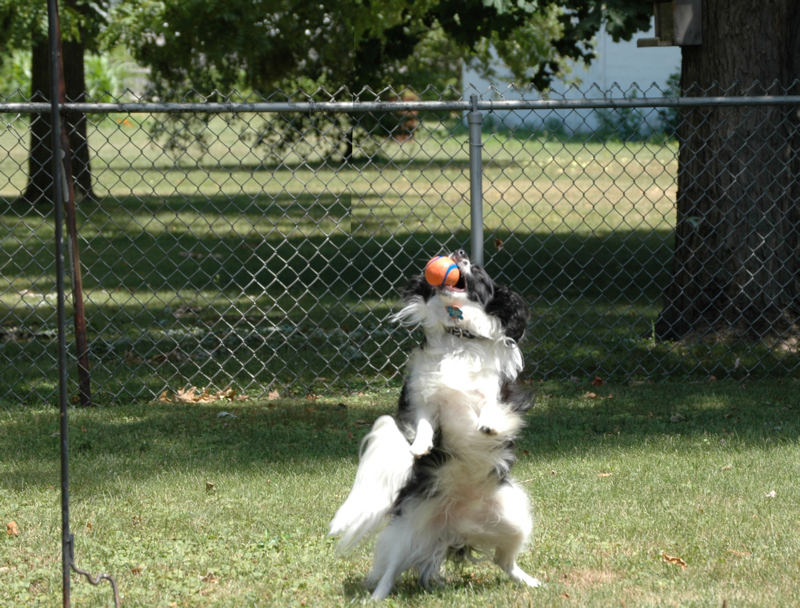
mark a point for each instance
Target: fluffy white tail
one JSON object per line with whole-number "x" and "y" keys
{"x": 384, "y": 468}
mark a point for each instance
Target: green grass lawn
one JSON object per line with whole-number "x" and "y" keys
{"x": 187, "y": 508}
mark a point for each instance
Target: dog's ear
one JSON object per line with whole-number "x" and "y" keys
{"x": 418, "y": 286}
{"x": 480, "y": 286}
{"x": 512, "y": 311}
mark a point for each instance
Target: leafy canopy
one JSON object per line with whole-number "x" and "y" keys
{"x": 23, "y": 23}
{"x": 220, "y": 45}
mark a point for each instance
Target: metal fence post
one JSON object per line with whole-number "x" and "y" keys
{"x": 475, "y": 120}
{"x": 58, "y": 205}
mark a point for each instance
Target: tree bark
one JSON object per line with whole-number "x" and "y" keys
{"x": 40, "y": 180}
{"x": 75, "y": 85}
{"x": 736, "y": 261}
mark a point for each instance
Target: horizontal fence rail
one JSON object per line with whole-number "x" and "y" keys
{"x": 237, "y": 249}
{"x": 349, "y": 107}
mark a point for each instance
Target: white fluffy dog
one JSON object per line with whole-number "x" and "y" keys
{"x": 436, "y": 482}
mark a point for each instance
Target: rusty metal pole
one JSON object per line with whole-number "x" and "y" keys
{"x": 68, "y": 195}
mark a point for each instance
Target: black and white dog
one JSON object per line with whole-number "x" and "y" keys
{"x": 438, "y": 477}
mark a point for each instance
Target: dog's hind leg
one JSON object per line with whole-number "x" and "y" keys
{"x": 385, "y": 584}
{"x": 512, "y": 533}
{"x": 393, "y": 549}
{"x": 507, "y": 561}
{"x": 505, "y": 556}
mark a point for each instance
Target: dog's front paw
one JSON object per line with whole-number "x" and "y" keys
{"x": 420, "y": 448}
{"x": 491, "y": 420}
{"x": 423, "y": 442}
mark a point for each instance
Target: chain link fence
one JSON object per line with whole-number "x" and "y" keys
{"x": 257, "y": 246}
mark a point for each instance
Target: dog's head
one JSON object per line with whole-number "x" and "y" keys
{"x": 474, "y": 289}
{"x": 474, "y": 283}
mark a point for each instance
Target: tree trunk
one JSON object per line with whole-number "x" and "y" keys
{"x": 736, "y": 240}
{"x": 40, "y": 168}
{"x": 75, "y": 85}
{"x": 40, "y": 158}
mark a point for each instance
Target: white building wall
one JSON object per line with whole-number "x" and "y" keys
{"x": 618, "y": 70}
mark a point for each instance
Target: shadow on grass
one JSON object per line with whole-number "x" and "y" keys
{"x": 573, "y": 418}
{"x": 146, "y": 439}
{"x": 354, "y": 589}
{"x": 220, "y": 292}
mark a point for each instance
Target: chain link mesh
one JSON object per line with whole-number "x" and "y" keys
{"x": 262, "y": 250}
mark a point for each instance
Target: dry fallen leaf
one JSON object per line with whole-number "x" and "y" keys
{"x": 231, "y": 395}
{"x": 273, "y": 395}
{"x": 194, "y": 395}
{"x": 209, "y": 578}
{"x": 604, "y": 474}
{"x": 739, "y": 553}
{"x": 498, "y": 244}
{"x": 590, "y": 396}
{"x": 184, "y": 395}
{"x": 12, "y": 529}
{"x": 598, "y": 381}
{"x": 209, "y": 487}
{"x": 676, "y": 561}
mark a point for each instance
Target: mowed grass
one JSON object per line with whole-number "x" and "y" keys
{"x": 185, "y": 507}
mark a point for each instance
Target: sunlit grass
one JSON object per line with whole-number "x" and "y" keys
{"x": 183, "y": 506}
